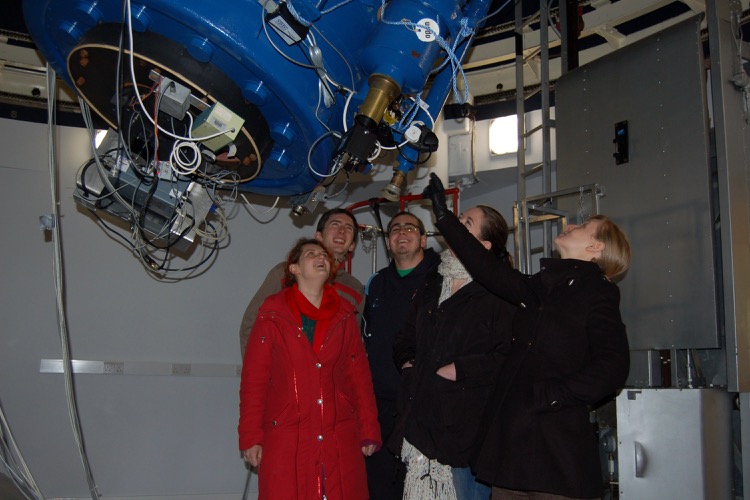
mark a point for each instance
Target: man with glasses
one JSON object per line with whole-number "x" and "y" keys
{"x": 389, "y": 295}
{"x": 337, "y": 230}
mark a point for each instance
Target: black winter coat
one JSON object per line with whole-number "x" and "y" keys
{"x": 472, "y": 329}
{"x": 388, "y": 299}
{"x": 570, "y": 351}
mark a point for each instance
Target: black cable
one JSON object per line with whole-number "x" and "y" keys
{"x": 196, "y": 266}
{"x": 375, "y": 207}
{"x": 111, "y": 230}
{"x": 246, "y": 491}
{"x": 172, "y": 243}
{"x": 148, "y": 259}
{"x": 82, "y": 177}
{"x": 144, "y": 255}
{"x": 136, "y": 115}
{"x": 413, "y": 162}
{"x": 158, "y": 98}
{"x": 141, "y": 222}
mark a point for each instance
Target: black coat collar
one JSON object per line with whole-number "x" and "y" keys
{"x": 556, "y": 271}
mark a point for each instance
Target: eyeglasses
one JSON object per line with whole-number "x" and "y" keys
{"x": 407, "y": 228}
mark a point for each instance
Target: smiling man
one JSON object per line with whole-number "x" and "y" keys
{"x": 337, "y": 230}
{"x": 389, "y": 295}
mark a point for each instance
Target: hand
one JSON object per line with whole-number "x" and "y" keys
{"x": 369, "y": 449}
{"x": 448, "y": 372}
{"x": 253, "y": 455}
{"x": 436, "y": 193}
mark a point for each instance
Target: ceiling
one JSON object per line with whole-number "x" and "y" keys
{"x": 606, "y": 25}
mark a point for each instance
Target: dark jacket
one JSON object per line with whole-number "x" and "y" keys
{"x": 472, "y": 329}
{"x": 387, "y": 303}
{"x": 569, "y": 352}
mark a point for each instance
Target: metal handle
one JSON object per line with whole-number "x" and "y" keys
{"x": 640, "y": 459}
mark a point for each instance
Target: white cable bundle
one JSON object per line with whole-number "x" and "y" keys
{"x": 180, "y": 163}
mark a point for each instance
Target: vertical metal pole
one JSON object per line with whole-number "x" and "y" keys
{"x": 744, "y": 400}
{"x": 546, "y": 143}
{"x": 521, "y": 113}
{"x": 569, "y": 34}
{"x": 732, "y": 136}
{"x": 517, "y": 239}
{"x": 526, "y": 237}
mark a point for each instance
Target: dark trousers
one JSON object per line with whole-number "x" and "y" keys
{"x": 503, "y": 494}
{"x": 385, "y": 471}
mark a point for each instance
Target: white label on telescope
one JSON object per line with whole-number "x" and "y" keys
{"x": 427, "y": 35}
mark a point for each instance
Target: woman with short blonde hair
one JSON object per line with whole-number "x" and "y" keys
{"x": 569, "y": 353}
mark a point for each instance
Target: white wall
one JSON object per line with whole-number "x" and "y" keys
{"x": 147, "y": 436}
{"x": 152, "y": 435}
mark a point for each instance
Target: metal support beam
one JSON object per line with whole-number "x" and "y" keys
{"x": 733, "y": 167}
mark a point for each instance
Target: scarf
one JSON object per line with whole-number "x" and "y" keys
{"x": 321, "y": 316}
{"x": 425, "y": 478}
{"x": 450, "y": 268}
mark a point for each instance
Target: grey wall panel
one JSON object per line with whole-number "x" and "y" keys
{"x": 661, "y": 197}
{"x": 674, "y": 443}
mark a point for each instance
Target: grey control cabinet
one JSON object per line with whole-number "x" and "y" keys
{"x": 674, "y": 443}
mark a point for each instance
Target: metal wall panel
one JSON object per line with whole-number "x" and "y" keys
{"x": 674, "y": 443}
{"x": 661, "y": 197}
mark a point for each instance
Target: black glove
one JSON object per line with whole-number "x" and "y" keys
{"x": 436, "y": 193}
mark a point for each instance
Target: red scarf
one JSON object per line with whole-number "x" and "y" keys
{"x": 321, "y": 315}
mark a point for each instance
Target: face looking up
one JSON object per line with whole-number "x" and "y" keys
{"x": 338, "y": 235}
{"x": 314, "y": 263}
{"x": 579, "y": 242}
{"x": 404, "y": 236}
{"x": 473, "y": 219}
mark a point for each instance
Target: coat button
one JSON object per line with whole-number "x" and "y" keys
{"x": 318, "y": 365}
{"x": 555, "y": 404}
{"x": 320, "y": 437}
{"x": 320, "y": 401}
{"x": 273, "y": 422}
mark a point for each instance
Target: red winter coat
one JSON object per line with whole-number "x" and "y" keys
{"x": 312, "y": 413}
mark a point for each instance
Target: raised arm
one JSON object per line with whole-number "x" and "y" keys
{"x": 484, "y": 266}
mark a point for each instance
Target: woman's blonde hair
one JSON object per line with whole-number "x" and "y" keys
{"x": 615, "y": 258}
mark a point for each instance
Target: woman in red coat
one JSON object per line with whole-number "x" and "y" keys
{"x": 307, "y": 408}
